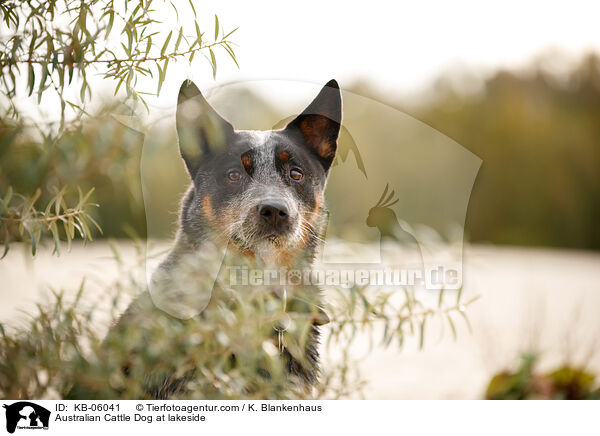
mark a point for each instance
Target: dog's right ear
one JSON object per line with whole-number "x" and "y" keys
{"x": 201, "y": 130}
{"x": 320, "y": 123}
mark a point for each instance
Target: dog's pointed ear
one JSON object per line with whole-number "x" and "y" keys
{"x": 319, "y": 124}
{"x": 201, "y": 130}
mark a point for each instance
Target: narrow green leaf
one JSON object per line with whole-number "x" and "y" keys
{"x": 71, "y": 227}
{"x": 129, "y": 32}
{"x": 164, "y": 47}
{"x": 230, "y": 33}
{"x": 422, "y": 334}
{"x": 67, "y": 228}
{"x": 82, "y": 92}
{"x": 54, "y": 231}
{"x": 42, "y": 81}
{"x": 6, "y": 242}
{"x": 31, "y": 79}
{"x": 85, "y": 231}
{"x": 111, "y": 20}
{"x": 440, "y": 297}
{"x": 178, "y": 39}
{"x": 148, "y": 46}
{"x": 33, "y": 240}
{"x": 193, "y": 8}
{"x": 452, "y": 326}
{"x": 459, "y": 295}
{"x": 160, "y": 79}
{"x": 231, "y": 54}
{"x": 216, "y": 27}
{"x": 95, "y": 223}
{"x": 164, "y": 70}
{"x": 198, "y": 34}
{"x": 466, "y": 320}
{"x": 87, "y": 196}
{"x": 121, "y": 80}
{"x": 213, "y": 63}
{"x": 8, "y": 196}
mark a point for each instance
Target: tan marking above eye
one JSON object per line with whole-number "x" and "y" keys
{"x": 284, "y": 156}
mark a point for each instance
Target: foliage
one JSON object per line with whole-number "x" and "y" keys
{"x": 20, "y": 213}
{"x": 54, "y": 49}
{"x": 58, "y": 41}
{"x": 563, "y": 383}
{"x": 99, "y": 154}
{"x": 62, "y": 351}
{"x": 362, "y": 308}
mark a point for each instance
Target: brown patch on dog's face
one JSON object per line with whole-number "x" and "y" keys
{"x": 310, "y": 215}
{"x": 288, "y": 256}
{"x": 316, "y": 209}
{"x": 221, "y": 224}
{"x": 284, "y": 156}
{"x": 209, "y": 213}
{"x": 318, "y": 202}
{"x": 245, "y": 252}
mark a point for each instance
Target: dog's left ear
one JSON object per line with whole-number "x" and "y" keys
{"x": 319, "y": 124}
{"x": 201, "y": 130}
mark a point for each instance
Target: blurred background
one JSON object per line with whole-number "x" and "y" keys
{"x": 516, "y": 86}
{"x": 535, "y": 131}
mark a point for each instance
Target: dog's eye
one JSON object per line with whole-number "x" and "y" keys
{"x": 234, "y": 175}
{"x": 296, "y": 174}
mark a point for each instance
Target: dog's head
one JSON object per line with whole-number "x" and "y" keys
{"x": 261, "y": 191}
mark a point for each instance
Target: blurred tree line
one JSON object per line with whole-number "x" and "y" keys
{"x": 537, "y": 131}
{"x": 538, "y": 134}
{"x": 539, "y": 138}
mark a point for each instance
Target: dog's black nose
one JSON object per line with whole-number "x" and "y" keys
{"x": 273, "y": 213}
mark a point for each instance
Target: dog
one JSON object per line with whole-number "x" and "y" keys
{"x": 259, "y": 197}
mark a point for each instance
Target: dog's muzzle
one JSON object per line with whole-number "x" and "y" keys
{"x": 273, "y": 218}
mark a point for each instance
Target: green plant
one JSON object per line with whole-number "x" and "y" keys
{"x": 19, "y": 212}
{"x": 52, "y": 49}
{"x": 62, "y": 351}
{"x": 564, "y": 383}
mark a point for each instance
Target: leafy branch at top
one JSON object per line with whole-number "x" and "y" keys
{"x": 54, "y": 48}
{"x": 51, "y": 43}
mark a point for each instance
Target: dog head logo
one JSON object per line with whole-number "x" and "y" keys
{"x": 26, "y": 415}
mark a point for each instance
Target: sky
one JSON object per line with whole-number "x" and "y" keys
{"x": 399, "y": 48}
